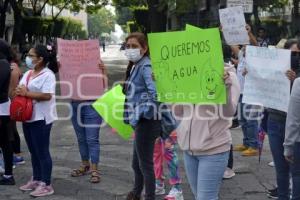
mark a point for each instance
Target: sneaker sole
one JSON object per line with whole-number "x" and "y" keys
{"x": 174, "y": 198}
{"x": 43, "y": 195}
{"x": 25, "y": 190}
{"x": 20, "y": 163}
{"x": 271, "y": 197}
{"x": 162, "y": 192}
{"x": 229, "y": 177}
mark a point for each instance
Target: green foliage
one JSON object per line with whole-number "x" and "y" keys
{"x": 101, "y": 22}
{"x": 270, "y": 5}
{"x": 123, "y": 15}
{"x": 132, "y": 27}
{"x": 45, "y": 26}
{"x": 275, "y": 27}
{"x": 183, "y": 7}
{"x": 141, "y": 16}
{"x": 126, "y": 3}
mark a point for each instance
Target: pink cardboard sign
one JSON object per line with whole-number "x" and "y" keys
{"x": 79, "y": 73}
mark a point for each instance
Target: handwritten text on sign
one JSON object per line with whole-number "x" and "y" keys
{"x": 246, "y": 4}
{"x": 234, "y": 25}
{"x": 80, "y": 76}
{"x": 266, "y": 83}
{"x": 188, "y": 66}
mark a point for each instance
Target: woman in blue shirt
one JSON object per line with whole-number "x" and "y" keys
{"x": 141, "y": 114}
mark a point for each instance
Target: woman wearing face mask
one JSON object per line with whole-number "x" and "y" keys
{"x": 276, "y": 133}
{"x": 5, "y": 132}
{"x": 41, "y": 89}
{"x": 140, "y": 113}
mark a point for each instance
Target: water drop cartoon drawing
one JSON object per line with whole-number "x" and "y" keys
{"x": 211, "y": 78}
{"x": 211, "y": 82}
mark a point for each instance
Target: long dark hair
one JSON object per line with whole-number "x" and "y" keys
{"x": 290, "y": 43}
{"x": 5, "y": 52}
{"x": 142, "y": 40}
{"x": 42, "y": 51}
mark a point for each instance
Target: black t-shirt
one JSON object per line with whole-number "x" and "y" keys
{"x": 4, "y": 80}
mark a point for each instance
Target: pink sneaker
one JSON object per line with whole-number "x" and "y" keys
{"x": 42, "y": 190}
{"x": 30, "y": 185}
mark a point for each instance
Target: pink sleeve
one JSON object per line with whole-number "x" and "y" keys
{"x": 233, "y": 95}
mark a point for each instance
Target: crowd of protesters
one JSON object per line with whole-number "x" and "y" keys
{"x": 206, "y": 144}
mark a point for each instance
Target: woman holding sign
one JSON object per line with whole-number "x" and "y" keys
{"x": 205, "y": 138}
{"x": 141, "y": 113}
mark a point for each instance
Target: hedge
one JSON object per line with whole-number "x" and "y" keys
{"x": 61, "y": 27}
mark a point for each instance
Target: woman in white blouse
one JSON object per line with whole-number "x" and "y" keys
{"x": 41, "y": 89}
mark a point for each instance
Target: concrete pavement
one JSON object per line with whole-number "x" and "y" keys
{"x": 251, "y": 181}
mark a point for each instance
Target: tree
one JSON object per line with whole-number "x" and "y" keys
{"x": 157, "y": 12}
{"x": 101, "y": 22}
{"x": 37, "y": 7}
{"x": 3, "y": 9}
{"x": 123, "y": 15}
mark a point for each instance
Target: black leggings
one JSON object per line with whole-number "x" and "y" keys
{"x": 146, "y": 133}
{"x": 230, "y": 160}
{"x": 17, "y": 141}
{"x": 6, "y": 144}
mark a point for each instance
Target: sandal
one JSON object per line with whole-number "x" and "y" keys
{"x": 95, "y": 176}
{"x": 83, "y": 170}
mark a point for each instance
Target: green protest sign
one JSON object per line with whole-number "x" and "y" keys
{"x": 188, "y": 66}
{"x": 189, "y": 27}
{"x": 111, "y": 108}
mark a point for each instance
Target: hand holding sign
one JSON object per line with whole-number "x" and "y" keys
{"x": 266, "y": 82}
{"x": 233, "y": 25}
{"x": 188, "y": 66}
{"x": 111, "y": 108}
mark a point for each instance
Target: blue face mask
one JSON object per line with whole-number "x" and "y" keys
{"x": 29, "y": 63}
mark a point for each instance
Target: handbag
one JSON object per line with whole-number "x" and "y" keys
{"x": 21, "y": 108}
{"x": 168, "y": 122}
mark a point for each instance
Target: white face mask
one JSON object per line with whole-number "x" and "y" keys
{"x": 133, "y": 55}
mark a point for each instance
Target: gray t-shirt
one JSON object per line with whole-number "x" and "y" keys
{"x": 292, "y": 130}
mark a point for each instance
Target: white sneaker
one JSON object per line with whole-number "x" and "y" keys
{"x": 160, "y": 189}
{"x": 174, "y": 194}
{"x": 228, "y": 174}
{"x": 271, "y": 164}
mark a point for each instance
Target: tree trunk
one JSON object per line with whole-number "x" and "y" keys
{"x": 296, "y": 17}
{"x": 3, "y": 18}
{"x": 257, "y": 21}
{"x": 157, "y": 16}
{"x": 18, "y": 37}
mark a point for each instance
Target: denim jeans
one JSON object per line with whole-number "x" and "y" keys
{"x": 295, "y": 171}
{"x": 248, "y": 119}
{"x": 284, "y": 169}
{"x": 37, "y": 137}
{"x": 146, "y": 133}
{"x": 205, "y": 174}
{"x": 276, "y": 133}
{"x": 86, "y": 122}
